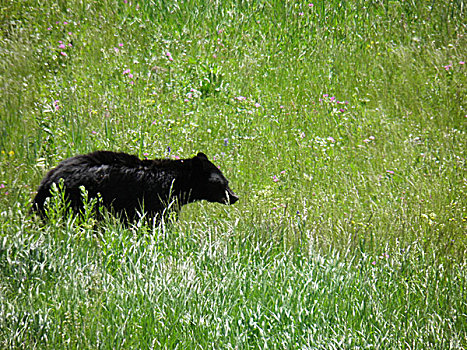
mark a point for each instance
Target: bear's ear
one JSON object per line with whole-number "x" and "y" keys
{"x": 198, "y": 162}
{"x": 202, "y": 155}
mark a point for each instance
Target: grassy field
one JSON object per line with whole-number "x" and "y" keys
{"x": 340, "y": 124}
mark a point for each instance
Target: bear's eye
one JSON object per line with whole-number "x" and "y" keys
{"x": 217, "y": 179}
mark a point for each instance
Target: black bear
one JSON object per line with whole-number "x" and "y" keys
{"x": 129, "y": 186}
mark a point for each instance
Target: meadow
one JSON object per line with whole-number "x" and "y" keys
{"x": 341, "y": 125}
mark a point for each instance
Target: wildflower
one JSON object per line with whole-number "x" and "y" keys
{"x": 332, "y": 98}
{"x": 342, "y": 110}
{"x": 121, "y": 45}
{"x": 371, "y": 138}
{"x": 70, "y": 45}
{"x": 70, "y": 33}
{"x": 367, "y": 141}
{"x": 390, "y": 172}
{"x": 56, "y": 106}
{"x": 275, "y": 179}
{"x": 169, "y": 149}
{"x": 310, "y": 5}
{"x": 461, "y": 62}
{"x": 60, "y": 42}
{"x": 283, "y": 172}
{"x": 65, "y": 23}
{"x": 63, "y": 54}
{"x": 130, "y": 75}
{"x": 116, "y": 50}
{"x": 186, "y": 100}
{"x": 50, "y": 28}
{"x": 300, "y": 13}
{"x": 226, "y": 142}
{"x": 257, "y": 105}
{"x": 373, "y": 263}
{"x": 2, "y": 186}
{"x": 177, "y": 157}
{"x": 62, "y": 46}
{"x": 448, "y": 67}
{"x": 331, "y": 139}
{"x": 281, "y": 107}
{"x": 325, "y": 95}
{"x": 169, "y": 56}
{"x": 126, "y": 71}
{"x": 240, "y": 98}
{"x": 386, "y": 255}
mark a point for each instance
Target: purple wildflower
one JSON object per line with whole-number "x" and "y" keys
{"x": 169, "y": 56}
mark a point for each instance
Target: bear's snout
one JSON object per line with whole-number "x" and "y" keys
{"x": 231, "y": 197}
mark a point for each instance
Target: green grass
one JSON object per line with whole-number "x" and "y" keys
{"x": 350, "y": 229}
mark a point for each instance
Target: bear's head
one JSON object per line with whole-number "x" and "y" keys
{"x": 209, "y": 183}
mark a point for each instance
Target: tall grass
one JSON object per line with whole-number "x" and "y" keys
{"x": 341, "y": 125}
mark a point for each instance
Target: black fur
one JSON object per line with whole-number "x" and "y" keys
{"x": 128, "y": 185}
